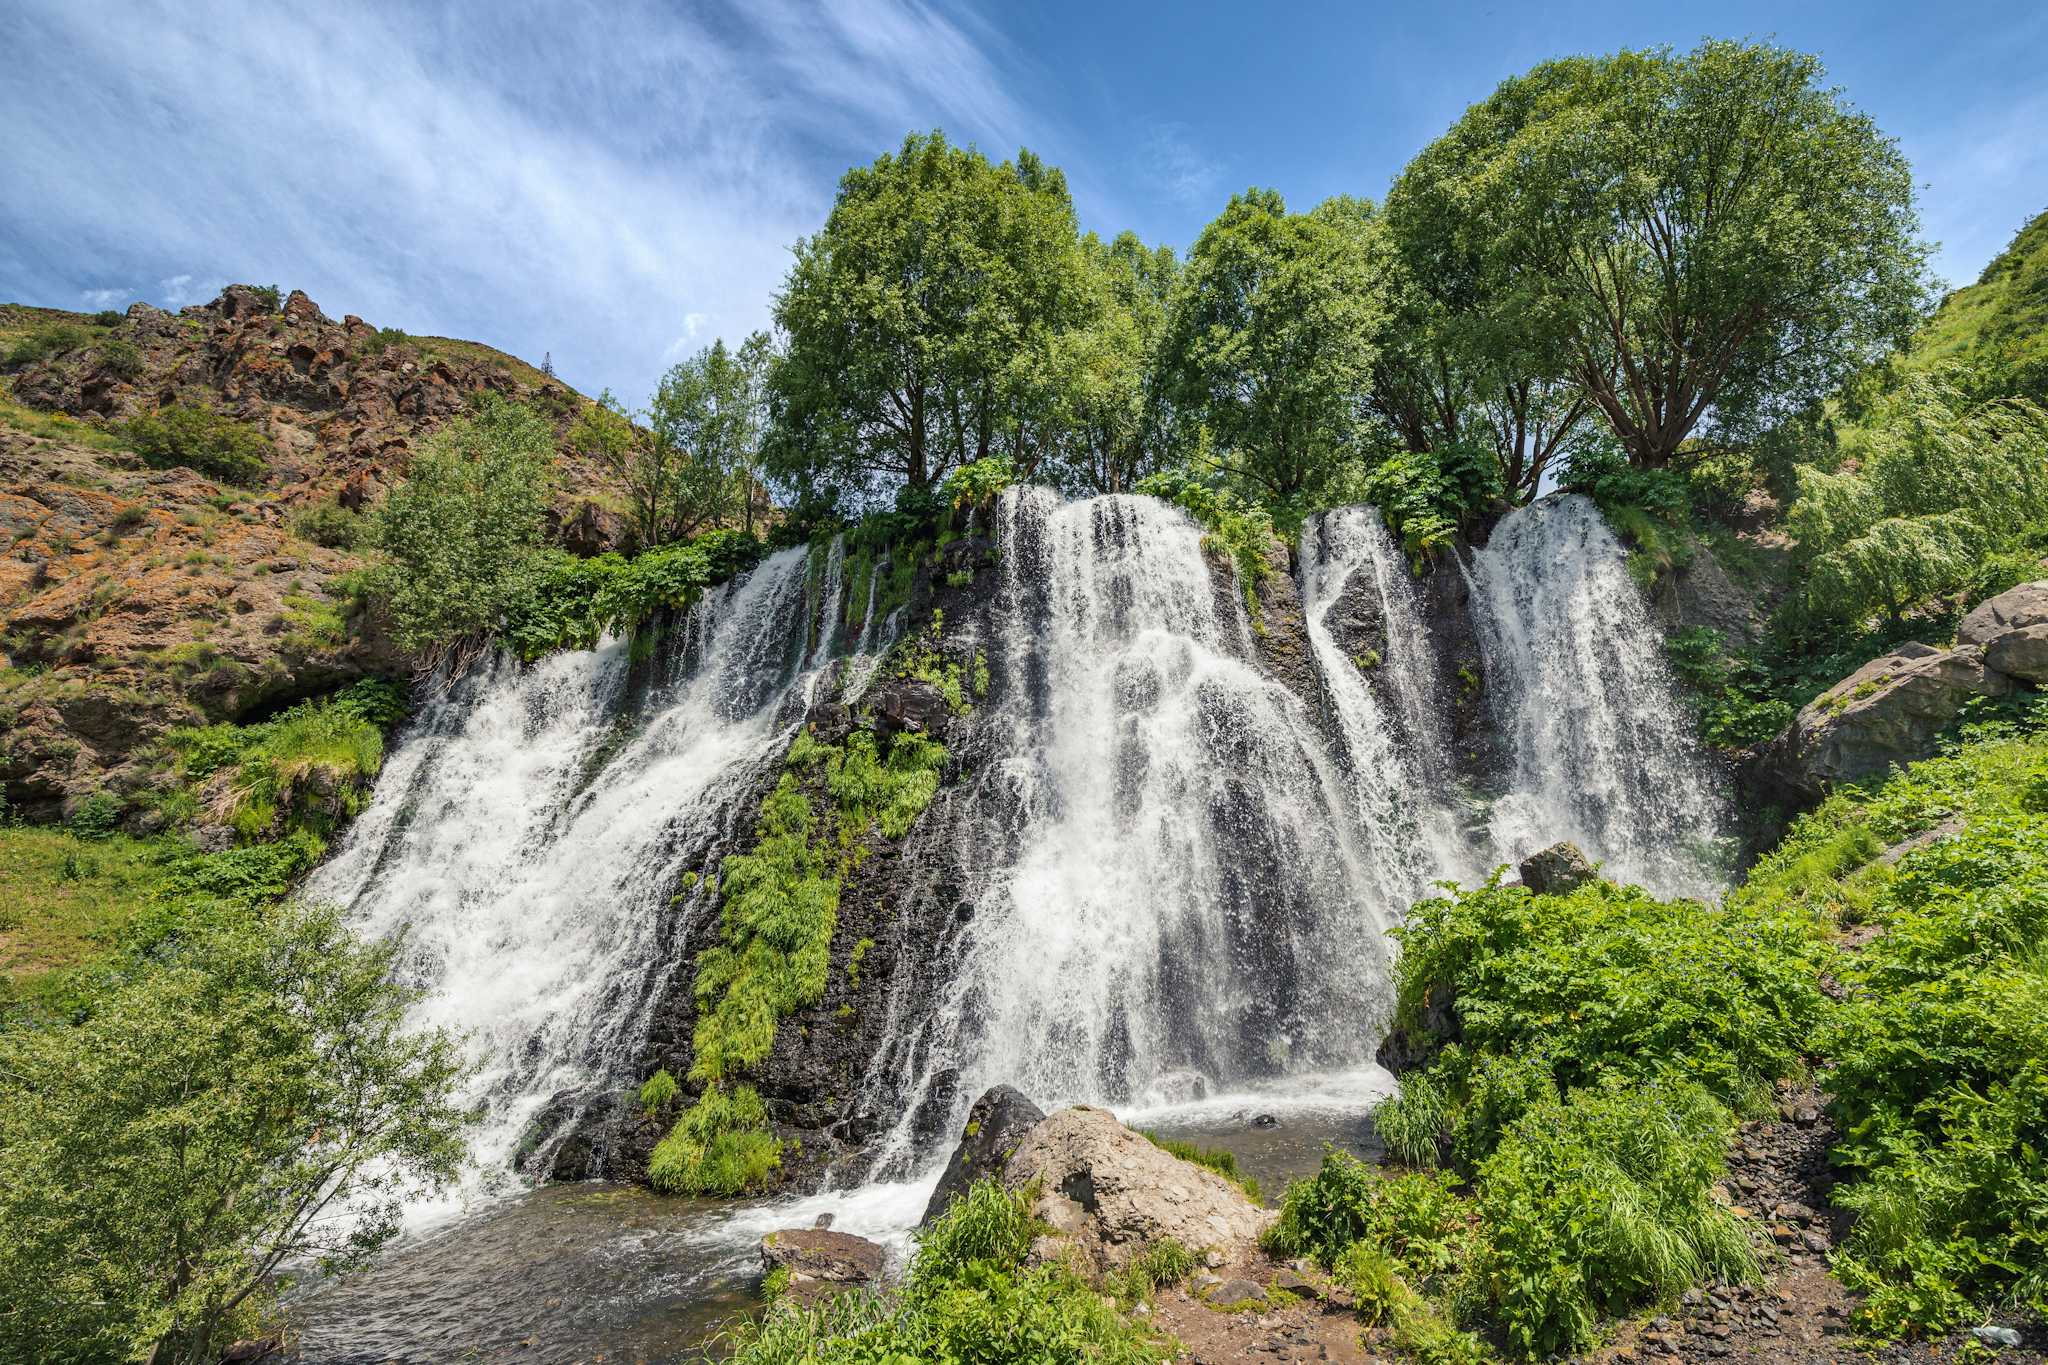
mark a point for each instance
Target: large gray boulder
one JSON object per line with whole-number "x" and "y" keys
{"x": 1886, "y": 713}
{"x": 1559, "y": 869}
{"x": 1106, "y": 1193}
{"x": 2020, "y": 608}
{"x": 996, "y": 1123}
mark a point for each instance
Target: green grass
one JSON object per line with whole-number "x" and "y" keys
{"x": 65, "y": 900}
{"x": 1222, "y": 1162}
{"x": 56, "y": 426}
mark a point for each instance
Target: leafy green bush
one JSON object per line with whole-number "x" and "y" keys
{"x": 968, "y": 1298}
{"x": 187, "y": 1138}
{"x": 976, "y": 486}
{"x": 200, "y": 439}
{"x": 56, "y": 338}
{"x": 97, "y": 816}
{"x": 1427, "y": 495}
{"x": 569, "y": 603}
{"x": 120, "y": 358}
{"x": 1608, "y": 980}
{"x": 1598, "y": 1202}
{"x": 330, "y": 524}
{"x": 461, "y": 536}
{"x": 1216, "y": 1159}
{"x": 657, "y": 1093}
{"x": 1733, "y": 694}
{"x": 1417, "y": 1218}
{"x": 721, "y": 1145}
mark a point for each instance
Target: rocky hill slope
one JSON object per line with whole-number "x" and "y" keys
{"x": 135, "y": 598}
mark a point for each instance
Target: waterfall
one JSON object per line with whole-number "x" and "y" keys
{"x": 1601, "y": 751}
{"x": 531, "y": 828}
{"x": 1180, "y": 884}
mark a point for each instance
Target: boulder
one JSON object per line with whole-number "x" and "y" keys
{"x": 1556, "y": 870}
{"x": 1106, "y": 1193}
{"x": 821, "y": 1262}
{"x": 2021, "y": 653}
{"x": 1887, "y": 712}
{"x": 908, "y": 704}
{"x": 996, "y": 1123}
{"x": 2014, "y": 609}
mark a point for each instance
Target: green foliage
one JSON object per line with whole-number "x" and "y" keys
{"x": 1270, "y": 339}
{"x": 721, "y": 1145}
{"x": 181, "y": 1145}
{"x": 330, "y": 524}
{"x": 923, "y": 656}
{"x": 1718, "y": 219}
{"x": 1943, "y": 486}
{"x": 975, "y": 487}
{"x": 269, "y": 295}
{"x": 1418, "y": 1218}
{"x": 460, "y": 537}
{"x": 50, "y": 339}
{"x": 1732, "y": 693}
{"x": 1162, "y": 1263}
{"x": 1426, "y": 495}
{"x": 109, "y": 317}
{"x": 1598, "y": 1202}
{"x": 1610, "y": 981}
{"x": 920, "y": 323}
{"x": 97, "y": 816}
{"x": 1994, "y": 334}
{"x": 1241, "y": 530}
{"x": 569, "y": 603}
{"x": 968, "y": 1298}
{"x": 657, "y": 1093}
{"x": 120, "y": 358}
{"x": 1216, "y": 1159}
{"x": 202, "y": 440}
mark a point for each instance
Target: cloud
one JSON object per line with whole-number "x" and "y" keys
{"x": 1170, "y": 165}
{"x": 105, "y": 298}
{"x": 571, "y": 177}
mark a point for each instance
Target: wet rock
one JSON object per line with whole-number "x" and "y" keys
{"x": 821, "y": 1262}
{"x": 1556, "y": 870}
{"x": 996, "y": 1123}
{"x": 1106, "y": 1193}
{"x": 908, "y": 705}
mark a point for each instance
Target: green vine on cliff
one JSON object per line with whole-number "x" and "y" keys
{"x": 781, "y": 909}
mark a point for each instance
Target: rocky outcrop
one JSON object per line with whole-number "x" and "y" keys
{"x": 1890, "y": 711}
{"x": 996, "y": 1124}
{"x": 136, "y": 599}
{"x": 1557, "y": 870}
{"x": 1105, "y": 1193}
{"x": 820, "y": 1262}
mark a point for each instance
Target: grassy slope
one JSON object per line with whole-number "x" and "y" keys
{"x": 2003, "y": 318}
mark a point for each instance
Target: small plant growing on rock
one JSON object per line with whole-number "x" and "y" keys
{"x": 658, "y": 1093}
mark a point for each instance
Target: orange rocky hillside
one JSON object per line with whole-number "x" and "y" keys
{"x": 135, "y": 598}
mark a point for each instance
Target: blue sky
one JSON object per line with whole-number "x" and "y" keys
{"x": 615, "y": 184}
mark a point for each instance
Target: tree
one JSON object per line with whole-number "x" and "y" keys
{"x": 1715, "y": 238}
{"x": 1093, "y": 420}
{"x": 1270, "y": 342}
{"x": 709, "y": 411}
{"x": 207, "y": 1126}
{"x": 1938, "y": 486}
{"x": 459, "y": 536}
{"x": 913, "y": 322}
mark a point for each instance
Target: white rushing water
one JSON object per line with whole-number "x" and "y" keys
{"x": 1175, "y": 871}
{"x": 1602, "y": 752}
{"x": 527, "y": 834}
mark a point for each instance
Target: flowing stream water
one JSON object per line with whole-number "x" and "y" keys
{"x": 1183, "y": 869}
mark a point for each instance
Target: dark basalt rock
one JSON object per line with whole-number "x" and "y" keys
{"x": 995, "y": 1124}
{"x": 908, "y": 705}
{"x": 1556, "y": 870}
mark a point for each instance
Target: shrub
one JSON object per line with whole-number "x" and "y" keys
{"x": 462, "y": 533}
{"x": 122, "y": 359}
{"x": 202, "y": 440}
{"x": 109, "y": 317}
{"x": 721, "y": 1145}
{"x": 1416, "y": 1217}
{"x": 51, "y": 339}
{"x": 97, "y": 816}
{"x": 658, "y": 1093}
{"x": 330, "y": 524}
{"x": 169, "y": 1154}
{"x": 975, "y": 487}
{"x": 1598, "y": 1202}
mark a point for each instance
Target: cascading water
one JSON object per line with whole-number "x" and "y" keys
{"x": 528, "y": 834}
{"x": 1602, "y": 753}
{"x": 1183, "y": 885}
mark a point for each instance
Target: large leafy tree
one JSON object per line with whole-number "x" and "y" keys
{"x": 249, "y": 1101}
{"x": 1271, "y": 339}
{"x": 1714, "y": 238}
{"x": 1934, "y": 487}
{"x": 1094, "y": 420}
{"x": 918, "y": 323}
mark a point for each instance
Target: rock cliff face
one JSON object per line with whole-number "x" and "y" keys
{"x": 133, "y": 599}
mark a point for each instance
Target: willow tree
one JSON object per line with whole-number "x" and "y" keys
{"x": 1936, "y": 486}
{"x": 913, "y": 322}
{"x": 1270, "y": 342}
{"x": 1714, "y": 238}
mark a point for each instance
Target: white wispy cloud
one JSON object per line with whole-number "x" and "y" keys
{"x": 1170, "y": 164}
{"x": 105, "y": 298}
{"x": 573, "y": 177}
